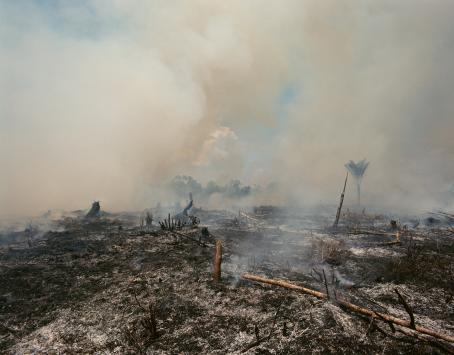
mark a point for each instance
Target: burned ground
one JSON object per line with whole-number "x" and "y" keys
{"x": 107, "y": 286}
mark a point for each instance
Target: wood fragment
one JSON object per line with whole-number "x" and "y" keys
{"x": 407, "y": 308}
{"x": 284, "y": 284}
{"x": 350, "y": 306}
{"x": 372, "y": 232}
{"x": 267, "y": 337}
{"x": 394, "y": 242}
{"x": 188, "y": 237}
{"x": 320, "y": 279}
{"x": 424, "y": 338}
{"x": 254, "y": 344}
{"x": 326, "y": 284}
{"x": 390, "y": 324}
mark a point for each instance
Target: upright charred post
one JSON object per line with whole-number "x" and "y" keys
{"x": 217, "y": 262}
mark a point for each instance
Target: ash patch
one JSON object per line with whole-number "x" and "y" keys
{"x": 90, "y": 289}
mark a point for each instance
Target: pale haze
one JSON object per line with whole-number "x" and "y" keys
{"x": 103, "y": 100}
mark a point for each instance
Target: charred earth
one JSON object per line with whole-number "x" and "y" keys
{"x": 109, "y": 285}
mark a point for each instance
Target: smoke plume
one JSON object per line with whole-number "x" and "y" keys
{"x": 99, "y": 100}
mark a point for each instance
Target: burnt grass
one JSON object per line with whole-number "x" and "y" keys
{"x": 97, "y": 287}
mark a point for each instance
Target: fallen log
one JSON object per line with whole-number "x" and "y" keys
{"x": 350, "y": 306}
{"x": 395, "y": 242}
{"x": 284, "y": 284}
{"x": 371, "y": 232}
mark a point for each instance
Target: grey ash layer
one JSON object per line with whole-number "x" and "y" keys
{"x": 97, "y": 284}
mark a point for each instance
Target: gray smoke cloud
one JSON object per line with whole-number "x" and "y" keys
{"x": 378, "y": 84}
{"x": 101, "y": 99}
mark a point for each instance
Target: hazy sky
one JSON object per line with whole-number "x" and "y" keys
{"x": 100, "y": 99}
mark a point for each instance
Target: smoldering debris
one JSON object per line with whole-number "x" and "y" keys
{"x": 97, "y": 287}
{"x": 257, "y": 105}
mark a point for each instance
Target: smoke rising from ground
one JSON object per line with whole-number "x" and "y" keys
{"x": 103, "y": 99}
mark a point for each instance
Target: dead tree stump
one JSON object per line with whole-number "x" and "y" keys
{"x": 217, "y": 262}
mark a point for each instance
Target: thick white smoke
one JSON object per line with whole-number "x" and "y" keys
{"x": 379, "y": 85}
{"x": 99, "y": 99}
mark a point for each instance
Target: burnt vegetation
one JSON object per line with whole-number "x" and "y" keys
{"x": 261, "y": 281}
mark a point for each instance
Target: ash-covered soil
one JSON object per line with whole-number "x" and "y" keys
{"x": 106, "y": 286}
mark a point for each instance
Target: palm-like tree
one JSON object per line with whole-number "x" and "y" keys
{"x": 357, "y": 170}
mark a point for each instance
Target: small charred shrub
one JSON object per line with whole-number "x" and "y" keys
{"x": 143, "y": 331}
{"x": 330, "y": 251}
{"x": 419, "y": 264}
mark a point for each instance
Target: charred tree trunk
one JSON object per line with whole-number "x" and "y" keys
{"x": 95, "y": 210}
{"x": 336, "y": 222}
{"x": 217, "y": 262}
{"x": 358, "y": 188}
